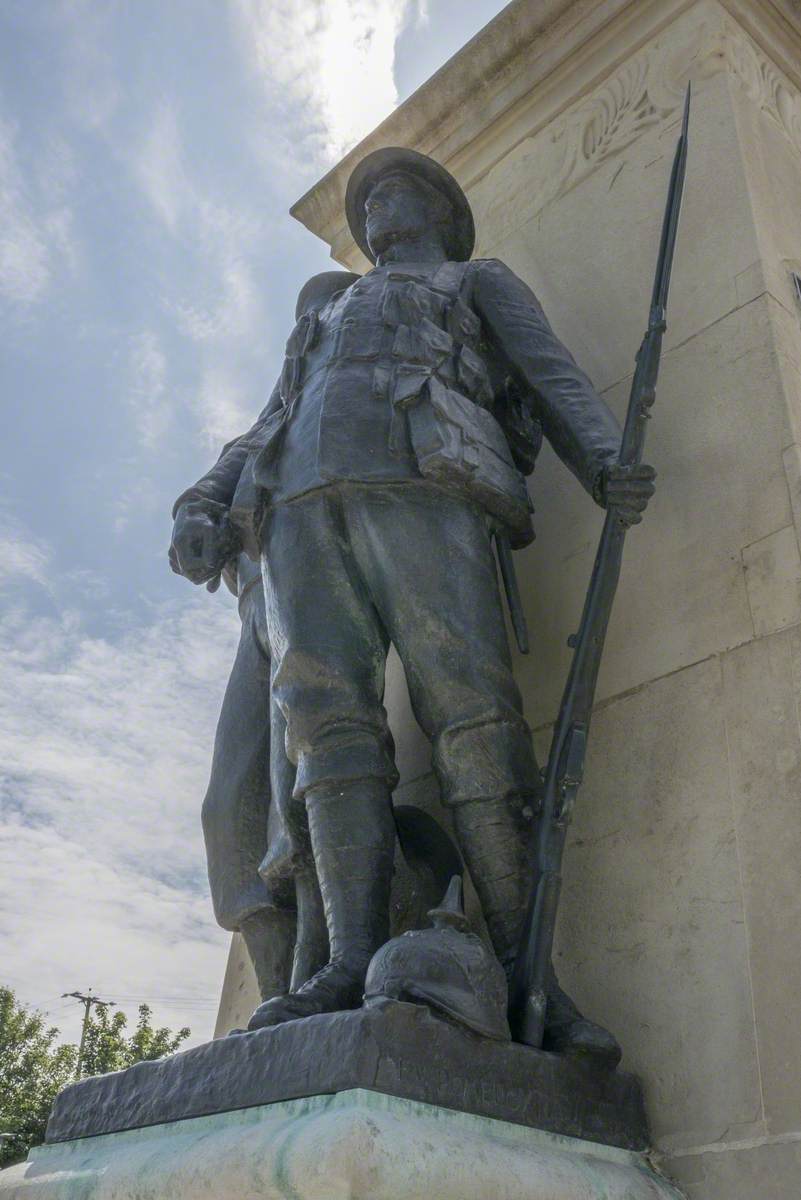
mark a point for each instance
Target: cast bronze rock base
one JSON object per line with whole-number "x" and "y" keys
{"x": 396, "y": 1048}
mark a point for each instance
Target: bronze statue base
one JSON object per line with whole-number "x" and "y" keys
{"x": 396, "y": 1048}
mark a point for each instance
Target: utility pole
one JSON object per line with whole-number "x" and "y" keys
{"x": 87, "y": 1002}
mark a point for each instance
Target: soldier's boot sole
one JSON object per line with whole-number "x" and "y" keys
{"x": 332, "y": 989}
{"x": 586, "y": 1040}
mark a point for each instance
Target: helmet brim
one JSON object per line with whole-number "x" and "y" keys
{"x": 461, "y": 236}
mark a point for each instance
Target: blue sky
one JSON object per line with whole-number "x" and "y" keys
{"x": 149, "y": 153}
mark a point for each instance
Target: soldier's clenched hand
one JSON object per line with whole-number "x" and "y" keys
{"x": 627, "y": 490}
{"x": 201, "y": 543}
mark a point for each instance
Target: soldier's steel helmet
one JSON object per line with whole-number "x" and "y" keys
{"x": 461, "y": 236}
{"x": 447, "y": 968}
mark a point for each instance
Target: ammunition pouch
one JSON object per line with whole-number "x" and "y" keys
{"x": 462, "y": 447}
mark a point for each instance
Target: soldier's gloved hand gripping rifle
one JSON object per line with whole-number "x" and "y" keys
{"x": 565, "y": 767}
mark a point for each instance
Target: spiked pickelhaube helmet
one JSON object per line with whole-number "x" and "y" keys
{"x": 448, "y": 968}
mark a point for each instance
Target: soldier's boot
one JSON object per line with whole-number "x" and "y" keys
{"x": 492, "y": 845}
{"x": 311, "y": 947}
{"x": 269, "y": 935}
{"x": 568, "y": 1031}
{"x": 353, "y": 838}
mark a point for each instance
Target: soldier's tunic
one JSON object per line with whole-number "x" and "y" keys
{"x": 383, "y": 474}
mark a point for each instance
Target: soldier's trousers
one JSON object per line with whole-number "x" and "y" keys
{"x": 239, "y": 821}
{"x": 349, "y": 569}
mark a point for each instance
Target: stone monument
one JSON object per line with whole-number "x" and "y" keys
{"x": 679, "y": 930}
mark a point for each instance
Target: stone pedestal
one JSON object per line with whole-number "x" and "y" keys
{"x": 357, "y": 1145}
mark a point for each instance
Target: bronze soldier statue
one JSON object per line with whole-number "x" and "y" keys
{"x": 394, "y": 448}
{"x": 261, "y": 871}
{"x": 262, "y": 883}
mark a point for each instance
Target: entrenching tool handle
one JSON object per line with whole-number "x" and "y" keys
{"x": 507, "y": 565}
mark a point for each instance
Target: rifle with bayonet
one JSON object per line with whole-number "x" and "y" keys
{"x": 565, "y": 766}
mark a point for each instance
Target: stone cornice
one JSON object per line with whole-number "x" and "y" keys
{"x": 540, "y": 59}
{"x": 775, "y": 26}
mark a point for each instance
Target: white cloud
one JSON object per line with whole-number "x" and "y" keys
{"x": 23, "y": 557}
{"x": 34, "y": 235}
{"x": 159, "y": 168}
{"x": 228, "y": 312}
{"x": 105, "y": 747}
{"x": 19, "y": 561}
{"x": 24, "y": 254}
{"x": 56, "y": 169}
{"x": 224, "y": 316}
{"x": 147, "y": 394}
{"x": 93, "y": 89}
{"x": 142, "y": 497}
{"x": 334, "y": 59}
{"x": 89, "y": 923}
{"x": 227, "y": 308}
{"x": 222, "y": 406}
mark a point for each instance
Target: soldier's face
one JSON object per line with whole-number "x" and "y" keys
{"x": 397, "y": 209}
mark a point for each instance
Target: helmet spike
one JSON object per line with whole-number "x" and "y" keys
{"x": 450, "y": 913}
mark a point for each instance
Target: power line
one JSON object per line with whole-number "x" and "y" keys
{"x": 169, "y": 999}
{"x": 87, "y": 1002}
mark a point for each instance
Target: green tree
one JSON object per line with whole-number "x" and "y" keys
{"x": 34, "y": 1068}
{"x": 108, "y": 1048}
{"x": 32, "y": 1071}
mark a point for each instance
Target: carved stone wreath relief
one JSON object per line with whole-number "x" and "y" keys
{"x": 644, "y": 93}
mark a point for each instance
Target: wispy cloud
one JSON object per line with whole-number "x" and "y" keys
{"x": 159, "y": 168}
{"x": 141, "y": 497}
{"x": 105, "y": 747}
{"x": 23, "y": 557}
{"x": 331, "y": 60}
{"x": 93, "y": 89}
{"x": 228, "y": 314}
{"x": 221, "y": 405}
{"x": 147, "y": 395}
{"x": 55, "y": 168}
{"x": 228, "y": 306}
{"x": 224, "y": 314}
{"x": 25, "y": 248}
